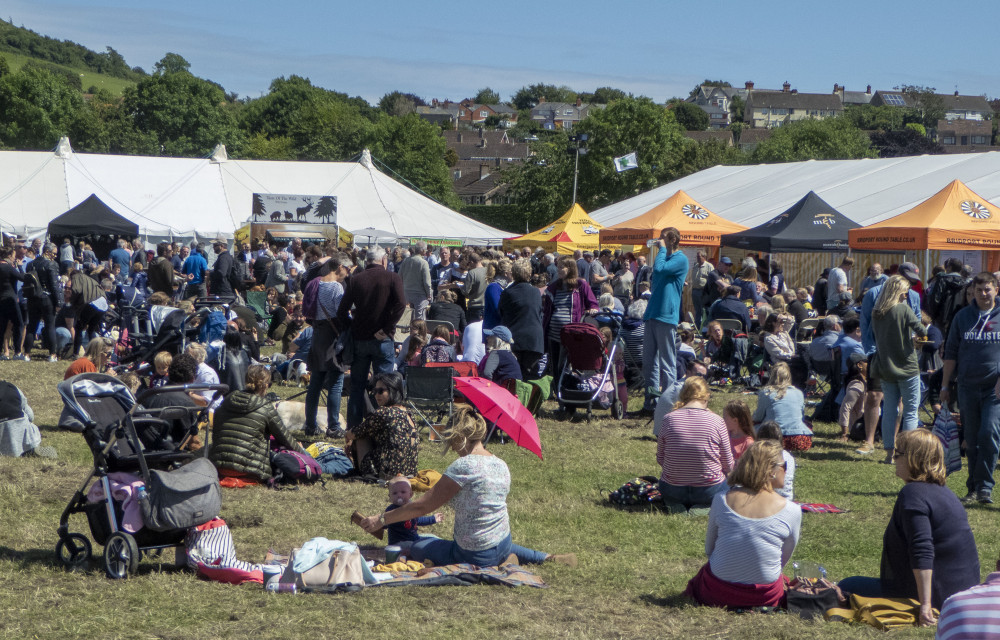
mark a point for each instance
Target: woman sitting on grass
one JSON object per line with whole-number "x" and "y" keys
{"x": 693, "y": 450}
{"x": 783, "y": 403}
{"x": 477, "y": 485}
{"x": 385, "y": 443}
{"x": 752, "y": 532}
{"x": 736, "y": 415}
{"x": 94, "y": 360}
{"x": 928, "y": 551}
{"x": 771, "y": 431}
{"x": 852, "y": 401}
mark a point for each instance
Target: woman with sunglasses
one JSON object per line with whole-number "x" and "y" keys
{"x": 94, "y": 359}
{"x": 752, "y": 532}
{"x": 385, "y": 443}
{"x": 928, "y": 551}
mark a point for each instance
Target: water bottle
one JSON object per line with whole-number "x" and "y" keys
{"x": 810, "y": 571}
{"x": 281, "y": 587}
{"x": 143, "y": 495}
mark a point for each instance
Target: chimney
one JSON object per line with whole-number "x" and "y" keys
{"x": 794, "y": 91}
{"x": 749, "y": 85}
{"x": 580, "y": 102}
{"x": 482, "y": 139}
{"x": 459, "y": 136}
{"x": 785, "y": 88}
{"x": 541, "y": 100}
{"x": 956, "y": 93}
{"x": 836, "y": 88}
{"x": 868, "y": 90}
{"x": 434, "y": 102}
{"x": 484, "y": 170}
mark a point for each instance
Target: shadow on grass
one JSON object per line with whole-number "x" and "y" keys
{"x": 880, "y": 494}
{"x": 677, "y": 600}
{"x": 826, "y": 454}
{"x": 150, "y": 562}
{"x": 645, "y": 438}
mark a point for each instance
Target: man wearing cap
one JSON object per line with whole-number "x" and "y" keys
{"x": 699, "y": 278}
{"x": 711, "y": 291}
{"x": 219, "y": 279}
{"x": 873, "y": 399}
{"x": 729, "y": 307}
{"x": 499, "y": 364}
{"x": 973, "y": 351}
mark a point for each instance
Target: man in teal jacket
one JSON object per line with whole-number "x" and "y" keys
{"x": 659, "y": 342}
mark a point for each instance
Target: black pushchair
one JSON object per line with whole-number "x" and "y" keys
{"x": 122, "y": 439}
{"x": 590, "y": 375}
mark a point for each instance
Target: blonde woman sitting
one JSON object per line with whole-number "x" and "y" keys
{"x": 752, "y": 532}
{"x": 783, "y": 403}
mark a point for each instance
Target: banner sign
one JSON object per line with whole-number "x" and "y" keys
{"x": 275, "y": 207}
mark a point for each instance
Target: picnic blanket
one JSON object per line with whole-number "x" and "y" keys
{"x": 821, "y": 508}
{"x": 464, "y": 575}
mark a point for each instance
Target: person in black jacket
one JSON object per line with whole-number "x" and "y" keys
{"x": 711, "y": 291}
{"x": 521, "y": 312}
{"x": 42, "y": 306}
{"x": 219, "y": 282}
{"x": 10, "y": 310}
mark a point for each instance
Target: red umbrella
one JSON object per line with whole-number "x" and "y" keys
{"x": 500, "y": 406}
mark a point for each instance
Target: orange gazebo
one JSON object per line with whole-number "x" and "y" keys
{"x": 698, "y": 226}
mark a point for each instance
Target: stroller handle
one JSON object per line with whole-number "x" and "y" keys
{"x": 194, "y": 386}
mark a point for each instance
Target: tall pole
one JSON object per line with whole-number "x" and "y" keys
{"x": 576, "y": 170}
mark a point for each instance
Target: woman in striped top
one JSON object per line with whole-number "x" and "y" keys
{"x": 693, "y": 449}
{"x": 752, "y": 532}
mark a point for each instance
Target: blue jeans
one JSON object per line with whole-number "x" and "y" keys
{"x": 981, "y": 424}
{"x": 333, "y": 381}
{"x": 699, "y": 308}
{"x": 659, "y": 356}
{"x": 368, "y": 354}
{"x": 909, "y": 391}
{"x": 862, "y": 586}
{"x": 691, "y": 496}
{"x": 442, "y": 552}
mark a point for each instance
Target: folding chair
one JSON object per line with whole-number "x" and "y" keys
{"x": 434, "y": 324}
{"x": 822, "y": 372}
{"x": 462, "y": 369}
{"x": 806, "y": 329}
{"x": 430, "y": 392}
{"x": 257, "y": 300}
{"x": 403, "y": 326}
{"x": 730, "y": 326}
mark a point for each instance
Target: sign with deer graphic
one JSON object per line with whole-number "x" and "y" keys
{"x": 275, "y": 207}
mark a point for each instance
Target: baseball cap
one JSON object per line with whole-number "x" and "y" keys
{"x": 501, "y": 332}
{"x": 725, "y": 260}
{"x": 857, "y": 358}
{"x": 909, "y": 271}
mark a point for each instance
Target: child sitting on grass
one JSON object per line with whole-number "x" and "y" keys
{"x": 404, "y": 533}
{"x": 772, "y": 431}
{"x": 736, "y": 415}
{"x": 161, "y": 364}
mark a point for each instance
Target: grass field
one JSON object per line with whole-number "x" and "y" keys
{"x": 87, "y": 78}
{"x": 632, "y": 565}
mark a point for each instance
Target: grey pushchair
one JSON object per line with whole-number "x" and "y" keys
{"x": 178, "y": 490}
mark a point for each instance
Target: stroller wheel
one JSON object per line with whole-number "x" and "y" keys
{"x": 617, "y": 410}
{"x": 121, "y": 555}
{"x": 73, "y": 550}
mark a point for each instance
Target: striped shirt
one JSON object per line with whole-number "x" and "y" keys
{"x": 562, "y": 312}
{"x": 750, "y": 550}
{"x": 693, "y": 448}
{"x": 328, "y": 299}
{"x": 973, "y": 613}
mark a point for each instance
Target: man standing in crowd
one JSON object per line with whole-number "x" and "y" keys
{"x": 947, "y": 295}
{"x": 161, "y": 271}
{"x": 42, "y": 304}
{"x": 874, "y": 278}
{"x": 643, "y": 273}
{"x": 219, "y": 282}
{"x": 599, "y": 272}
{"x": 837, "y": 282}
{"x": 474, "y": 286}
{"x": 376, "y": 296}
{"x": 122, "y": 257}
{"x": 873, "y": 397}
{"x": 66, "y": 259}
{"x": 583, "y": 265}
{"x": 139, "y": 254}
{"x": 973, "y": 349}
{"x": 659, "y": 342}
{"x": 415, "y": 273}
{"x": 194, "y": 270}
{"x": 711, "y": 291}
{"x": 699, "y": 278}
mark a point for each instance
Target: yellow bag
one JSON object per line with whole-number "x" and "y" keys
{"x": 882, "y": 613}
{"x": 424, "y": 480}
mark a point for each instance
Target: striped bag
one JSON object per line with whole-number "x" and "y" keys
{"x": 212, "y": 555}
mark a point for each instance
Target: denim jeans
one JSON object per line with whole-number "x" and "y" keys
{"x": 368, "y": 355}
{"x": 442, "y": 552}
{"x": 909, "y": 391}
{"x": 659, "y": 355}
{"x": 981, "y": 424}
{"x": 333, "y": 381}
{"x": 691, "y": 496}
{"x": 699, "y": 308}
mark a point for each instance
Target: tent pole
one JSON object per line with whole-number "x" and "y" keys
{"x": 927, "y": 261}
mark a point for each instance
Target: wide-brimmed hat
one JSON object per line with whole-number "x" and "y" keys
{"x": 220, "y": 240}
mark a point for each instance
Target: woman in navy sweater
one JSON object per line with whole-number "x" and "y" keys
{"x": 928, "y": 551}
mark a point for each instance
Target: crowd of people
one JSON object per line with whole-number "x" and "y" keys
{"x": 335, "y": 314}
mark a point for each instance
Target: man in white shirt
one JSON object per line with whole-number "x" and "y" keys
{"x": 473, "y": 349}
{"x": 837, "y": 282}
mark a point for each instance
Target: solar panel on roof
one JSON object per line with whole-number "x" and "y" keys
{"x": 894, "y": 99}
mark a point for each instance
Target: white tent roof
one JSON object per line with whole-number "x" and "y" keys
{"x": 865, "y": 191}
{"x": 205, "y": 197}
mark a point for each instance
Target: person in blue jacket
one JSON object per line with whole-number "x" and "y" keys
{"x": 973, "y": 349}
{"x": 659, "y": 342}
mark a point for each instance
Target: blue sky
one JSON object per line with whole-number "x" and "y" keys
{"x": 450, "y": 50}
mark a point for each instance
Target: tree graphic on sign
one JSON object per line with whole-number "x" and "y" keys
{"x": 327, "y": 208}
{"x": 259, "y": 210}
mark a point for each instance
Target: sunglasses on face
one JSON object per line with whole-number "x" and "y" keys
{"x": 897, "y": 454}
{"x": 783, "y": 465}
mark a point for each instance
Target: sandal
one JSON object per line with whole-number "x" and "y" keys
{"x": 843, "y": 438}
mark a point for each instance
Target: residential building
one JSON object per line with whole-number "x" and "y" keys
{"x": 959, "y": 107}
{"x": 965, "y": 135}
{"x": 467, "y": 113}
{"x": 853, "y": 97}
{"x": 765, "y": 110}
{"x": 750, "y": 138}
{"x": 892, "y": 98}
{"x": 482, "y": 155}
{"x": 561, "y": 115}
{"x": 725, "y": 137}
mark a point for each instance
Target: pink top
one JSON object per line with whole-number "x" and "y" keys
{"x": 739, "y": 445}
{"x": 693, "y": 448}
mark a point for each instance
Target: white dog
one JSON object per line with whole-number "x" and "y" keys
{"x": 293, "y": 414}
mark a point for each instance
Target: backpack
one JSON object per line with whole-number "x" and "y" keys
{"x": 32, "y": 288}
{"x": 236, "y": 277}
{"x": 292, "y": 467}
{"x": 946, "y": 297}
{"x": 639, "y": 491}
{"x": 310, "y": 299}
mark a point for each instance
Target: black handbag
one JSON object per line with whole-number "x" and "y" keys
{"x": 811, "y": 598}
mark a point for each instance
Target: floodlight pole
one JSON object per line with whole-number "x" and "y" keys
{"x": 576, "y": 163}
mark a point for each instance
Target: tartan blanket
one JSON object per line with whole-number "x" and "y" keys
{"x": 508, "y": 575}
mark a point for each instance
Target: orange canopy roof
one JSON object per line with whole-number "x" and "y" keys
{"x": 698, "y": 225}
{"x": 953, "y": 218}
{"x": 573, "y": 230}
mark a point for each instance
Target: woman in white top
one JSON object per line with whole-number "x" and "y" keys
{"x": 752, "y": 532}
{"x": 476, "y": 485}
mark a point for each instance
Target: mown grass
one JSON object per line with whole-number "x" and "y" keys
{"x": 632, "y": 566}
{"x": 87, "y": 78}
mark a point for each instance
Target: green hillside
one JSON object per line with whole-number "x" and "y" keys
{"x": 88, "y": 78}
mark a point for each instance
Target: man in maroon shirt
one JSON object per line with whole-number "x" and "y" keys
{"x": 377, "y": 298}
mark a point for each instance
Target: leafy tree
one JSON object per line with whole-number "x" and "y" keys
{"x": 542, "y": 185}
{"x": 329, "y": 130}
{"x": 171, "y": 63}
{"x": 708, "y": 83}
{"x": 624, "y": 126}
{"x": 486, "y": 96}
{"x": 274, "y": 113}
{"x": 4, "y": 67}
{"x": 530, "y": 96}
{"x": 827, "y": 139}
{"x": 260, "y": 146}
{"x": 929, "y": 104}
{"x": 736, "y": 108}
{"x": 398, "y": 104}
{"x": 451, "y": 157}
{"x": 413, "y": 148}
{"x": 38, "y": 107}
{"x": 602, "y": 95}
{"x": 885, "y": 118}
{"x": 904, "y": 142}
{"x": 187, "y": 116}
{"x": 689, "y": 116}
{"x": 696, "y": 156}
